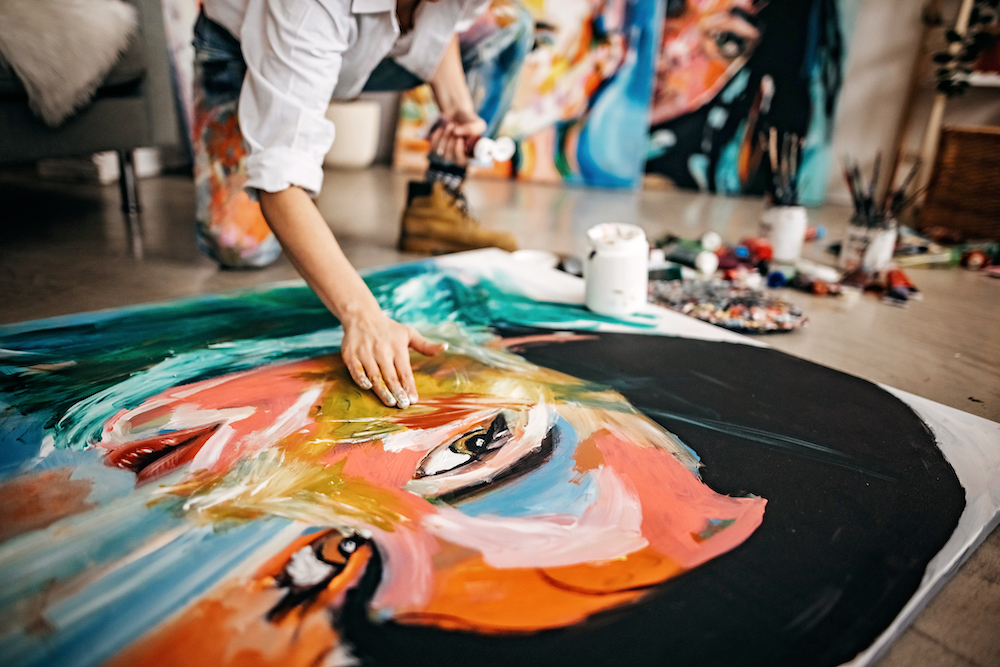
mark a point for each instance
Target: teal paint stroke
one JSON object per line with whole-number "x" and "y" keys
{"x": 62, "y": 379}
{"x": 67, "y": 376}
{"x": 133, "y": 560}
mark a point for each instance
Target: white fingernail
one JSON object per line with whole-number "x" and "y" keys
{"x": 365, "y": 383}
{"x": 402, "y": 400}
{"x": 389, "y": 399}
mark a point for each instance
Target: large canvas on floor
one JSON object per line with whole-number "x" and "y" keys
{"x": 199, "y": 482}
{"x": 728, "y": 70}
{"x": 580, "y": 111}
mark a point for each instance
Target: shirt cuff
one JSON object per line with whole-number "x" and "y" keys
{"x": 276, "y": 169}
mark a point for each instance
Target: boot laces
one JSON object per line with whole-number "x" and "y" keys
{"x": 458, "y": 198}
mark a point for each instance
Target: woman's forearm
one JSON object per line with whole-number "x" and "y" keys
{"x": 375, "y": 348}
{"x": 448, "y": 83}
{"x": 314, "y": 251}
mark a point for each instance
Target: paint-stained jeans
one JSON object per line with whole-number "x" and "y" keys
{"x": 230, "y": 226}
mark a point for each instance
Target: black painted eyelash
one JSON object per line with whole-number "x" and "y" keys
{"x": 478, "y": 445}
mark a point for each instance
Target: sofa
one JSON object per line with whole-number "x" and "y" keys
{"x": 134, "y": 107}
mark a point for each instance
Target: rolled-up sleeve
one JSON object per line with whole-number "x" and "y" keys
{"x": 293, "y": 50}
{"x": 436, "y": 23}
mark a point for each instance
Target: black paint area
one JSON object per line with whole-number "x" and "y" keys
{"x": 859, "y": 501}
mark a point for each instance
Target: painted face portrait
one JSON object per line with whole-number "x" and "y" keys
{"x": 704, "y": 44}
{"x": 201, "y": 483}
{"x": 511, "y": 499}
{"x": 579, "y": 46}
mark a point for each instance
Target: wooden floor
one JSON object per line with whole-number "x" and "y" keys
{"x": 63, "y": 250}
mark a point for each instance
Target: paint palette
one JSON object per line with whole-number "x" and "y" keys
{"x": 743, "y": 309}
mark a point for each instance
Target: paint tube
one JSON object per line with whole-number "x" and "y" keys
{"x": 817, "y": 271}
{"x": 689, "y": 253}
{"x": 483, "y": 150}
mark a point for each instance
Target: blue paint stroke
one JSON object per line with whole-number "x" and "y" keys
{"x": 110, "y": 614}
{"x": 553, "y": 488}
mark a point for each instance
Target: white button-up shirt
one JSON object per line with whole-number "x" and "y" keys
{"x": 300, "y": 54}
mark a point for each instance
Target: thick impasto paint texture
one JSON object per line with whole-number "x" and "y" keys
{"x": 201, "y": 483}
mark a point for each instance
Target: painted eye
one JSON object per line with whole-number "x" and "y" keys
{"x": 477, "y": 445}
{"x": 311, "y": 569}
{"x": 305, "y": 570}
{"x": 731, "y": 45}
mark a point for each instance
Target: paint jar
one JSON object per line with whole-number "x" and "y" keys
{"x": 785, "y": 228}
{"x": 868, "y": 248}
{"x": 617, "y": 270}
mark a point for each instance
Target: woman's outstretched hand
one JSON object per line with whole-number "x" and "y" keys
{"x": 376, "y": 350}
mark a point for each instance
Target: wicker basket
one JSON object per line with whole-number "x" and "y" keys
{"x": 964, "y": 191}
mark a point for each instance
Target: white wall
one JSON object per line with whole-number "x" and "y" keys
{"x": 883, "y": 51}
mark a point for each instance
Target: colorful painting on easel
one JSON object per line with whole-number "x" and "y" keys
{"x": 200, "y": 483}
{"x": 730, "y": 70}
{"x": 580, "y": 110}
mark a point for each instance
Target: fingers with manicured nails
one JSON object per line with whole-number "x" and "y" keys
{"x": 378, "y": 382}
{"x": 357, "y": 372}
{"x": 387, "y": 365}
{"x": 405, "y": 374}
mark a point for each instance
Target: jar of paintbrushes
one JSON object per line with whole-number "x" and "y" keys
{"x": 871, "y": 236}
{"x": 783, "y": 222}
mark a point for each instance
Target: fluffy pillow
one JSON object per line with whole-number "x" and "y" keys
{"x": 61, "y": 50}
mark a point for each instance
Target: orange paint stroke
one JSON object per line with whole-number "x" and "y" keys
{"x": 229, "y": 626}
{"x": 473, "y": 596}
{"x": 677, "y": 505}
{"x": 35, "y": 501}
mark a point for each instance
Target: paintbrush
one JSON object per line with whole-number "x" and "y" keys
{"x": 873, "y": 185}
{"x": 912, "y": 198}
{"x": 785, "y": 159}
{"x": 910, "y": 176}
{"x": 796, "y": 147}
{"x": 850, "y": 187}
{"x": 859, "y": 183}
{"x": 897, "y": 203}
{"x": 850, "y": 177}
{"x": 772, "y": 149}
{"x": 783, "y": 186}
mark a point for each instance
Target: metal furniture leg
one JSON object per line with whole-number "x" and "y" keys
{"x": 130, "y": 202}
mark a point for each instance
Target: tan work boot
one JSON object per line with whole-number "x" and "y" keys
{"x": 437, "y": 221}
